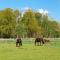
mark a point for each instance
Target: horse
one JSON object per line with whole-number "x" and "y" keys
{"x": 39, "y": 41}
{"x": 18, "y": 42}
{"x": 46, "y": 40}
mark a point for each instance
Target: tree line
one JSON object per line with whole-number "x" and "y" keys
{"x": 29, "y": 24}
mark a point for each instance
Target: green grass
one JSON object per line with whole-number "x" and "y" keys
{"x": 28, "y": 51}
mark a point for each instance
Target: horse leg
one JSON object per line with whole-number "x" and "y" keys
{"x": 21, "y": 44}
{"x": 16, "y": 44}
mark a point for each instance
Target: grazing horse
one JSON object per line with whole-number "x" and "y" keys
{"x": 18, "y": 42}
{"x": 39, "y": 41}
{"x": 46, "y": 41}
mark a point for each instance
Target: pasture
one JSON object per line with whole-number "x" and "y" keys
{"x": 49, "y": 51}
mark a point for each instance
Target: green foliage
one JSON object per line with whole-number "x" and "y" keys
{"x": 30, "y": 21}
{"x": 7, "y": 22}
{"x": 21, "y": 29}
{"x": 31, "y": 24}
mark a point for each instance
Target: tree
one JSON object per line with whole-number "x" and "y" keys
{"x": 21, "y": 29}
{"x": 31, "y": 23}
{"x": 7, "y": 23}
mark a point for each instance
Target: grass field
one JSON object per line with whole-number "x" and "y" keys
{"x": 28, "y": 51}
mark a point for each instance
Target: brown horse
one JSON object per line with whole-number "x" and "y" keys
{"x": 18, "y": 42}
{"x": 39, "y": 41}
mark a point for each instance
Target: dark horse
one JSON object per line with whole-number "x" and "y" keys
{"x": 18, "y": 42}
{"x": 39, "y": 41}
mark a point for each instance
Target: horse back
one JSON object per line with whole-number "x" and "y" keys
{"x": 18, "y": 40}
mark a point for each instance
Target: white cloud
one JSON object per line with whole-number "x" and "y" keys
{"x": 23, "y": 10}
{"x": 45, "y": 12}
{"x": 42, "y": 11}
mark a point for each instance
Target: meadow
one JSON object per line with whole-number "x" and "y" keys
{"x": 8, "y": 51}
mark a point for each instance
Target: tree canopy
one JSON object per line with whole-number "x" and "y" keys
{"x": 31, "y": 24}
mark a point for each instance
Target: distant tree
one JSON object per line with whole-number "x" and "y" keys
{"x": 30, "y": 21}
{"x": 31, "y": 24}
{"x": 7, "y": 22}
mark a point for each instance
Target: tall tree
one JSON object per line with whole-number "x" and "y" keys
{"x": 31, "y": 23}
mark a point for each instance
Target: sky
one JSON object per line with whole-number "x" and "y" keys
{"x": 52, "y": 7}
